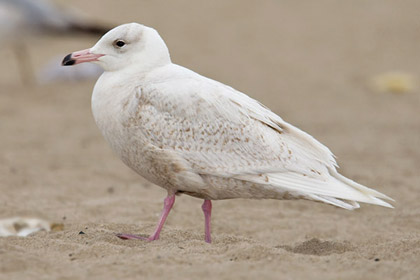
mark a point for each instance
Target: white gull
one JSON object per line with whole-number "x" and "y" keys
{"x": 193, "y": 135}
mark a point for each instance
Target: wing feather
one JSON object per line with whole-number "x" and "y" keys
{"x": 222, "y": 132}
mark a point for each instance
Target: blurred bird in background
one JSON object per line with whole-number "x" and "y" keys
{"x": 21, "y": 20}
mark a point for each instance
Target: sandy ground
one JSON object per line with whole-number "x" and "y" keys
{"x": 309, "y": 61}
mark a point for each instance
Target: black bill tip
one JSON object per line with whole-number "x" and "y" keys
{"x": 68, "y": 60}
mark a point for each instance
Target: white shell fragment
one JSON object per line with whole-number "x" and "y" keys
{"x": 19, "y": 226}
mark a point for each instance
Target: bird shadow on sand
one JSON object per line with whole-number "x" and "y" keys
{"x": 318, "y": 247}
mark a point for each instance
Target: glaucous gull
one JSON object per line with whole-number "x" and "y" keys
{"x": 193, "y": 135}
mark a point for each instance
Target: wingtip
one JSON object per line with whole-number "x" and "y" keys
{"x": 372, "y": 192}
{"x": 380, "y": 202}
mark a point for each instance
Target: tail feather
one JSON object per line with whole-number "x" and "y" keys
{"x": 336, "y": 189}
{"x": 349, "y": 205}
{"x": 358, "y": 186}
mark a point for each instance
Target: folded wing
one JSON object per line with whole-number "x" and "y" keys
{"x": 222, "y": 132}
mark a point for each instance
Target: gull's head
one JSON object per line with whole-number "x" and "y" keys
{"x": 130, "y": 45}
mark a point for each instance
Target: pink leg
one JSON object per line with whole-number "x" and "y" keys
{"x": 167, "y": 206}
{"x": 207, "y": 216}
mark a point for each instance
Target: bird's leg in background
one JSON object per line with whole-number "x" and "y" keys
{"x": 207, "y": 217}
{"x": 24, "y": 63}
{"x": 167, "y": 206}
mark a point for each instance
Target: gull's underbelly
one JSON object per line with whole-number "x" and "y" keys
{"x": 140, "y": 155}
{"x": 130, "y": 146}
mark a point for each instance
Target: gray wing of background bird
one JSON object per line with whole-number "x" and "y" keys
{"x": 22, "y": 17}
{"x": 22, "y": 20}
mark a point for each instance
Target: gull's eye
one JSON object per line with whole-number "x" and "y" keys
{"x": 119, "y": 43}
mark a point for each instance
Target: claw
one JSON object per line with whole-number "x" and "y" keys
{"x": 130, "y": 236}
